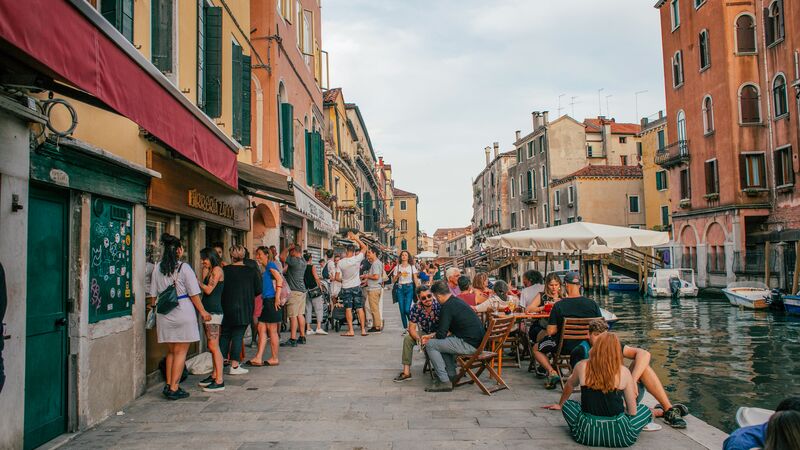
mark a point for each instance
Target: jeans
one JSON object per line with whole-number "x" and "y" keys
{"x": 442, "y": 353}
{"x": 230, "y": 340}
{"x": 405, "y": 294}
{"x": 316, "y": 304}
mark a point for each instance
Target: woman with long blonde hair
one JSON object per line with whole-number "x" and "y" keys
{"x": 607, "y": 415}
{"x": 480, "y": 284}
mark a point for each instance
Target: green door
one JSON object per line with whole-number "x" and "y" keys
{"x": 46, "y": 342}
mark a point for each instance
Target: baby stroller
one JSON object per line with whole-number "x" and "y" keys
{"x": 337, "y": 318}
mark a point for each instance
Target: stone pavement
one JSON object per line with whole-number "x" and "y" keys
{"x": 337, "y": 393}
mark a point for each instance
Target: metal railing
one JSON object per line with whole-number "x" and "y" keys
{"x": 673, "y": 154}
{"x": 528, "y": 196}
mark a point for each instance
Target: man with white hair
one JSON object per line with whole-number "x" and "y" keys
{"x": 452, "y": 276}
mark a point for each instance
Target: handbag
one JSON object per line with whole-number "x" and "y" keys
{"x": 285, "y": 291}
{"x": 168, "y": 298}
{"x": 315, "y": 292}
{"x": 150, "y": 321}
{"x": 395, "y": 287}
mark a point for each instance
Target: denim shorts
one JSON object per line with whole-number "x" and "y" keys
{"x": 352, "y": 298}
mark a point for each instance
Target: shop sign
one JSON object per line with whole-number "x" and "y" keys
{"x": 313, "y": 209}
{"x": 210, "y": 204}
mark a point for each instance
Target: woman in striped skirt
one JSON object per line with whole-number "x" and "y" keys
{"x": 607, "y": 415}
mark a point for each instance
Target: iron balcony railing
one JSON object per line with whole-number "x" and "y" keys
{"x": 528, "y": 196}
{"x": 674, "y": 154}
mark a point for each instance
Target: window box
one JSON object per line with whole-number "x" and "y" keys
{"x": 753, "y": 192}
{"x": 786, "y": 188}
{"x": 711, "y": 197}
{"x": 685, "y": 204}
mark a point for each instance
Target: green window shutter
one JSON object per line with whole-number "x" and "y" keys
{"x": 236, "y": 91}
{"x": 287, "y": 131}
{"x": 309, "y": 160}
{"x": 246, "y": 61}
{"x": 119, "y": 13}
{"x": 213, "y": 62}
{"x": 318, "y": 156}
{"x": 161, "y": 29}
{"x": 201, "y": 52}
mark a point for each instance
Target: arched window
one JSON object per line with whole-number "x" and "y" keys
{"x": 774, "y": 22}
{"x": 404, "y": 225}
{"x": 681, "y": 122}
{"x": 675, "y": 13}
{"x": 749, "y": 104}
{"x": 779, "y": 95}
{"x": 677, "y": 69}
{"x": 745, "y": 34}
{"x": 708, "y": 114}
{"x": 705, "y": 53}
{"x": 531, "y": 182}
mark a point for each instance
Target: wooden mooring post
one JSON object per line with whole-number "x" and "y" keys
{"x": 796, "y": 274}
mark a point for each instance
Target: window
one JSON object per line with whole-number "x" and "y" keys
{"x": 530, "y": 149}
{"x": 745, "y": 34}
{"x": 571, "y": 195}
{"x": 315, "y": 164}
{"x": 588, "y": 151}
{"x": 240, "y": 95}
{"x": 209, "y": 59}
{"x": 664, "y": 216}
{"x": 404, "y": 245}
{"x": 570, "y": 219}
{"x": 773, "y": 22}
{"x": 522, "y": 218}
{"x": 677, "y": 69}
{"x": 712, "y": 177}
{"x": 404, "y": 225}
{"x": 686, "y": 185}
{"x": 556, "y": 222}
{"x": 675, "y": 13}
{"x": 699, "y": 3}
{"x": 716, "y": 258}
{"x": 161, "y": 18}
{"x": 681, "y": 127}
{"x": 545, "y": 214}
{"x": 544, "y": 176}
{"x": 784, "y": 174}
{"x": 705, "y": 53}
{"x": 120, "y": 14}
{"x": 513, "y": 220}
{"x": 633, "y": 204}
{"x": 753, "y": 171}
{"x": 403, "y": 205}
{"x": 511, "y": 187}
{"x": 541, "y": 144}
{"x": 749, "y": 104}
{"x": 623, "y": 160}
{"x": 779, "y": 96}
{"x": 708, "y": 114}
{"x": 662, "y": 142}
{"x": 521, "y": 186}
{"x": 298, "y": 7}
{"x": 557, "y": 200}
{"x": 661, "y": 180}
{"x": 308, "y": 36}
{"x": 519, "y": 155}
{"x": 623, "y": 139}
{"x": 287, "y": 134}
{"x": 639, "y": 151}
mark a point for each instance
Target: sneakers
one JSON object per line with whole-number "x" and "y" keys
{"x": 674, "y": 418}
{"x": 206, "y": 381}
{"x": 552, "y": 381}
{"x": 311, "y": 332}
{"x": 301, "y": 340}
{"x": 239, "y": 370}
{"x": 176, "y": 395}
{"x": 374, "y": 330}
{"x": 439, "y": 386}
{"x": 214, "y": 387}
{"x": 289, "y": 343}
{"x": 402, "y": 377}
{"x": 321, "y": 331}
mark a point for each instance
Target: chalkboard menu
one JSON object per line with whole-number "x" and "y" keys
{"x": 110, "y": 278}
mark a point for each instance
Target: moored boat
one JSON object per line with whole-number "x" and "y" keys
{"x": 748, "y": 294}
{"x": 622, "y": 284}
{"x": 610, "y": 317}
{"x": 672, "y": 282}
{"x": 792, "y": 304}
{"x": 747, "y": 417}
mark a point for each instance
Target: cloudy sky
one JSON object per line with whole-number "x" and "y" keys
{"x": 439, "y": 80}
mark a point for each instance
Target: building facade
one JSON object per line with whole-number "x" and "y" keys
{"x": 406, "y": 221}
{"x": 490, "y": 205}
{"x": 653, "y": 137}
{"x": 729, "y": 68}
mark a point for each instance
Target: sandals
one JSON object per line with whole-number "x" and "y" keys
{"x": 249, "y": 363}
{"x": 402, "y": 377}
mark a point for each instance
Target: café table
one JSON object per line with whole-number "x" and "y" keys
{"x": 519, "y": 317}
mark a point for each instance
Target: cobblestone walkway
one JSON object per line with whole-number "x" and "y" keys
{"x": 337, "y": 393}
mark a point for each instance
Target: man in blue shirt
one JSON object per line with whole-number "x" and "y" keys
{"x": 755, "y": 436}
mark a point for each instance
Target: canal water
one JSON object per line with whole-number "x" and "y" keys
{"x": 712, "y": 356}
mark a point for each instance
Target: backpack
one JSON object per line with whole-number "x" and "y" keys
{"x": 325, "y": 272}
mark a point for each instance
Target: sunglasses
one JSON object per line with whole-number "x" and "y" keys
{"x": 426, "y": 297}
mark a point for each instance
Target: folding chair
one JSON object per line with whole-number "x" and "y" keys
{"x": 427, "y": 368}
{"x": 483, "y": 359}
{"x": 572, "y": 330}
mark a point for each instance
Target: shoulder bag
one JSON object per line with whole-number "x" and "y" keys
{"x": 168, "y": 298}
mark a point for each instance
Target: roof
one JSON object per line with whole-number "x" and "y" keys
{"x": 603, "y": 171}
{"x": 616, "y": 128}
{"x": 402, "y": 193}
{"x": 354, "y": 107}
{"x": 331, "y": 95}
{"x": 444, "y": 232}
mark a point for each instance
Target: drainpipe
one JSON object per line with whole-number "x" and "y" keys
{"x": 770, "y": 137}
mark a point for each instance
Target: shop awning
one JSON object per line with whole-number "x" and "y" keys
{"x": 265, "y": 184}
{"x": 70, "y": 41}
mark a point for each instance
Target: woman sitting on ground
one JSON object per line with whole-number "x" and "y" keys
{"x": 607, "y": 415}
{"x": 783, "y": 431}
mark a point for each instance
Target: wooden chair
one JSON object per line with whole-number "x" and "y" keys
{"x": 572, "y": 330}
{"x": 483, "y": 359}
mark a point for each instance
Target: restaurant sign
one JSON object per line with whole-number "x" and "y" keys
{"x": 316, "y": 211}
{"x": 211, "y": 205}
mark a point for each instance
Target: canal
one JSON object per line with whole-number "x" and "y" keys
{"x": 711, "y": 356}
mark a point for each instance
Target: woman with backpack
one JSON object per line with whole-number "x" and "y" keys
{"x": 177, "y": 327}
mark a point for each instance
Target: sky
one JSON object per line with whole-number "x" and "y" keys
{"x": 439, "y": 80}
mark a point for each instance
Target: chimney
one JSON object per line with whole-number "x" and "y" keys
{"x": 488, "y": 152}
{"x": 380, "y": 161}
{"x": 661, "y": 114}
{"x": 496, "y": 149}
{"x": 536, "y": 120}
{"x": 545, "y": 117}
{"x": 517, "y": 134}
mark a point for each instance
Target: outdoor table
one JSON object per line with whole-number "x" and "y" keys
{"x": 518, "y": 317}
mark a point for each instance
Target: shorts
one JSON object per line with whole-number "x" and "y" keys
{"x": 269, "y": 314}
{"x": 296, "y": 304}
{"x": 548, "y": 345}
{"x": 213, "y": 326}
{"x": 352, "y": 298}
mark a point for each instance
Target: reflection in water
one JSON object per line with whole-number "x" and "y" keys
{"x": 712, "y": 356}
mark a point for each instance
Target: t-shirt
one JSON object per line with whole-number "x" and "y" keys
{"x": 746, "y": 438}
{"x": 529, "y": 293}
{"x": 424, "y": 277}
{"x": 468, "y": 297}
{"x": 573, "y": 307}
{"x": 375, "y": 269}
{"x": 455, "y": 290}
{"x": 331, "y": 265}
{"x": 461, "y": 321}
{"x": 296, "y": 270}
{"x": 268, "y": 288}
{"x": 242, "y": 284}
{"x": 406, "y": 273}
{"x": 185, "y": 281}
{"x": 349, "y": 268}
{"x": 426, "y": 321}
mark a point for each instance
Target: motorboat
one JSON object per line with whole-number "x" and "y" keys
{"x": 672, "y": 283}
{"x": 792, "y": 304}
{"x": 748, "y": 294}
{"x": 622, "y": 284}
{"x": 747, "y": 417}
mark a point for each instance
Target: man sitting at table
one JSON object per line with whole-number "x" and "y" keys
{"x": 459, "y": 332}
{"x": 423, "y": 319}
{"x": 644, "y": 376}
{"x": 573, "y": 306}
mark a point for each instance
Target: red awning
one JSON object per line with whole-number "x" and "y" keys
{"x": 79, "y": 46}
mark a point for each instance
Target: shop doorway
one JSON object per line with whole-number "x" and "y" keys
{"x": 46, "y": 338}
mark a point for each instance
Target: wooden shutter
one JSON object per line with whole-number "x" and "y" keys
{"x": 236, "y": 91}
{"x": 201, "y": 52}
{"x": 309, "y": 160}
{"x": 119, "y": 13}
{"x": 161, "y": 29}
{"x": 318, "y": 152}
{"x": 213, "y": 62}
{"x": 743, "y": 171}
{"x": 287, "y": 131}
{"x": 246, "y": 100}
{"x": 768, "y": 27}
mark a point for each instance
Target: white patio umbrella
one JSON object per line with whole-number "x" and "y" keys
{"x": 427, "y": 255}
{"x": 583, "y": 237}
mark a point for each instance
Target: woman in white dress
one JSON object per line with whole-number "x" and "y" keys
{"x": 178, "y": 328}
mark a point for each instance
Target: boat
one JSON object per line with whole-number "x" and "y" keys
{"x": 665, "y": 282}
{"x": 747, "y": 417}
{"x": 748, "y": 294}
{"x": 622, "y": 284}
{"x": 792, "y": 304}
{"x": 610, "y": 317}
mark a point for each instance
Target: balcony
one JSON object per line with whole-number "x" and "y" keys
{"x": 528, "y": 197}
{"x": 674, "y": 154}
